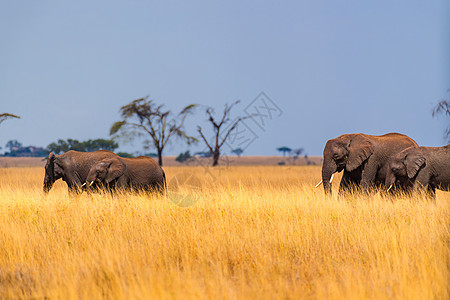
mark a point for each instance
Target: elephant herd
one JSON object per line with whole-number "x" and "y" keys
{"x": 393, "y": 161}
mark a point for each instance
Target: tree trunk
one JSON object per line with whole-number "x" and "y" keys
{"x": 160, "y": 161}
{"x": 216, "y": 156}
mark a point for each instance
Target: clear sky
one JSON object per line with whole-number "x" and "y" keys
{"x": 332, "y": 67}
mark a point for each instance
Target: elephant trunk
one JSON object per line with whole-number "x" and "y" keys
{"x": 329, "y": 167}
{"x": 49, "y": 178}
{"x": 390, "y": 179}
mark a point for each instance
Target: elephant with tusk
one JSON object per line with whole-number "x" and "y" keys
{"x": 136, "y": 174}
{"x": 426, "y": 168}
{"x": 362, "y": 157}
{"x": 72, "y": 167}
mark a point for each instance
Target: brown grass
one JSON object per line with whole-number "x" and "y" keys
{"x": 252, "y": 232}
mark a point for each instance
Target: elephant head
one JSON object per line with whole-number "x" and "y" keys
{"x": 53, "y": 172}
{"x": 348, "y": 151}
{"x": 106, "y": 171}
{"x": 404, "y": 166}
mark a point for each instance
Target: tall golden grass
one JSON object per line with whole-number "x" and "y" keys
{"x": 253, "y": 232}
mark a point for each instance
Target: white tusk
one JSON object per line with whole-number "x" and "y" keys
{"x": 331, "y": 180}
{"x": 83, "y": 184}
{"x": 92, "y": 182}
{"x": 390, "y": 187}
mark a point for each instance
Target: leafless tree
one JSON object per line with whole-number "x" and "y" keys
{"x": 443, "y": 107}
{"x": 143, "y": 116}
{"x": 295, "y": 154}
{"x": 219, "y": 136}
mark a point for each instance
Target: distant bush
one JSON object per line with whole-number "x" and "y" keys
{"x": 151, "y": 154}
{"x": 184, "y": 157}
{"x": 203, "y": 154}
{"x": 125, "y": 154}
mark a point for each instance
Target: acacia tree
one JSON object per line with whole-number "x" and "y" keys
{"x": 284, "y": 150}
{"x": 5, "y": 116}
{"x": 143, "y": 116}
{"x": 237, "y": 151}
{"x": 219, "y": 136}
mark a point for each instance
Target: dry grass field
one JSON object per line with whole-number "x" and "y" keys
{"x": 253, "y": 232}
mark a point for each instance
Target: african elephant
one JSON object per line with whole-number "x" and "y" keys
{"x": 140, "y": 173}
{"x": 73, "y": 167}
{"x": 362, "y": 157}
{"x": 423, "y": 167}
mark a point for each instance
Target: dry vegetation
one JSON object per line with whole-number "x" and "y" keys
{"x": 255, "y": 232}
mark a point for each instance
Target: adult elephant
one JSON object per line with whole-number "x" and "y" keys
{"x": 137, "y": 174}
{"x": 421, "y": 168}
{"x": 73, "y": 167}
{"x": 362, "y": 157}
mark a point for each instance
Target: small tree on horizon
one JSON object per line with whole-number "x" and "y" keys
{"x": 284, "y": 150}
{"x": 215, "y": 146}
{"x": 237, "y": 151}
{"x": 296, "y": 153}
{"x": 145, "y": 117}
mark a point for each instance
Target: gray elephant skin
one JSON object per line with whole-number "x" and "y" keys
{"x": 134, "y": 174}
{"x": 421, "y": 168}
{"x": 73, "y": 167}
{"x": 362, "y": 157}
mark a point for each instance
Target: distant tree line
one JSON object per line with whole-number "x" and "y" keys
{"x": 62, "y": 146}
{"x": 16, "y": 149}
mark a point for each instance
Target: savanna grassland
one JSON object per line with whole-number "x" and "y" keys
{"x": 254, "y": 232}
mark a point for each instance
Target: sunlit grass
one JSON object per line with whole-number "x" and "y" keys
{"x": 251, "y": 232}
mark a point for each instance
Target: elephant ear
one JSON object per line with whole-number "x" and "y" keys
{"x": 359, "y": 149}
{"x": 115, "y": 170}
{"x": 50, "y": 166}
{"x": 414, "y": 162}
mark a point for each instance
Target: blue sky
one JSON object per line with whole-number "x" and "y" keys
{"x": 332, "y": 67}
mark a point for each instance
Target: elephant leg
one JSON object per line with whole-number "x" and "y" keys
{"x": 347, "y": 182}
{"x": 422, "y": 183}
{"x": 368, "y": 176}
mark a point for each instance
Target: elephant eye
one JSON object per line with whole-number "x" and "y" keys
{"x": 394, "y": 170}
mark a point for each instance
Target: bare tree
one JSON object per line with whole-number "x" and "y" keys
{"x": 143, "y": 116}
{"x": 443, "y": 107}
{"x": 219, "y": 136}
{"x": 295, "y": 154}
{"x": 6, "y": 116}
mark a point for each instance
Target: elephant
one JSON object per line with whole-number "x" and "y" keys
{"x": 362, "y": 157}
{"x": 73, "y": 167}
{"x": 420, "y": 168}
{"x": 136, "y": 174}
